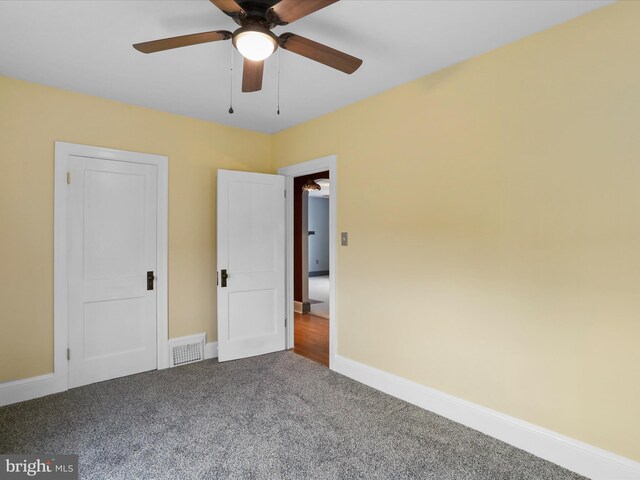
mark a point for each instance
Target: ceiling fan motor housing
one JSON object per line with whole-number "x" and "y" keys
{"x": 259, "y": 12}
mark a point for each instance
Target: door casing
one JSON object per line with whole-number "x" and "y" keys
{"x": 290, "y": 172}
{"x": 60, "y": 291}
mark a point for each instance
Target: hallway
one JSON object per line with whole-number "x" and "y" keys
{"x": 319, "y": 295}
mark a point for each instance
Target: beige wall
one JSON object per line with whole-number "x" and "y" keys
{"x": 32, "y": 117}
{"x": 493, "y": 211}
{"x": 494, "y": 218}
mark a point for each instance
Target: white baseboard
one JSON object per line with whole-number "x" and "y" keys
{"x": 574, "y": 455}
{"x": 34, "y": 387}
{"x": 27, "y": 389}
{"x": 210, "y": 350}
{"x": 297, "y": 307}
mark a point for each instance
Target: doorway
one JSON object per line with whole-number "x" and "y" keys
{"x": 318, "y": 248}
{"x": 311, "y": 266}
{"x": 311, "y": 255}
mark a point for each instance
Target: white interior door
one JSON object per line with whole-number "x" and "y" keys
{"x": 112, "y": 245}
{"x": 251, "y": 264}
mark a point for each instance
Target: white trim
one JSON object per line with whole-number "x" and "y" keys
{"x": 60, "y": 292}
{"x": 574, "y": 455}
{"x": 297, "y": 170}
{"x": 211, "y": 350}
{"x": 195, "y": 337}
{"x": 26, "y": 389}
{"x": 297, "y": 308}
{"x": 40, "y": 386}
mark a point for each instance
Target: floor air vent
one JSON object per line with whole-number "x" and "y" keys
{"x": 186, "y": 350}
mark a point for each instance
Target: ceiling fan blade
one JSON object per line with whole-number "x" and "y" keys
{"x": 182, "y": 41}
{"x": 288, "y": 11}
{"x": 230, "y": 7}
{"x": 252, "y": 75}
{"x": 320, "y": 53}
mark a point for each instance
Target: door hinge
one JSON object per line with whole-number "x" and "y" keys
{"x": 285, "y": 194}
{"x": 68, "y": 178}
{"x": 285, "y": 323}
{"x": 68, "y": 354}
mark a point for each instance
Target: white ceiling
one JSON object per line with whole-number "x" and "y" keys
{"x": 85, "y": 46}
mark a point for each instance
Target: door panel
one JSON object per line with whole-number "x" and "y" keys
{"x": 246, "y": 308}
{"x": 112, "y": 327}
{"x": 112, "y": 244}
{"x": 251, "y": 218}
{"x": 115, "y": 235}
{"x": 251, "y": 313}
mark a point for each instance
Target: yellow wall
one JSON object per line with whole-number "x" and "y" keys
{"x": 494, "y": 218}
{"x": 32, "y": 117}
{"x": 493, "y": 211}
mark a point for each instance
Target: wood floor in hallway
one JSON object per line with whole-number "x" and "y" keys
{"x": 311, "y": 338}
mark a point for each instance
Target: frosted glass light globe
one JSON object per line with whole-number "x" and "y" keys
{"x": 255, "y": 46}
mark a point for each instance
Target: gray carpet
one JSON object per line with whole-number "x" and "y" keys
{"x": 269, "y": 417}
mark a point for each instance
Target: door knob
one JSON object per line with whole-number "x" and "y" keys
{"x": 223, "y": 277}
{"x": 150, "y": 278}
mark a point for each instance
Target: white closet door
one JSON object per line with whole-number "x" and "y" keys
{"x": 112, "y": 247}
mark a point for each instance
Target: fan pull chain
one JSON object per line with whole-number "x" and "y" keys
{"x": 278, "y": 111}
{"x": 231, "y": 84}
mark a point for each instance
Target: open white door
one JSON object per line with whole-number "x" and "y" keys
{"x": 251, "y": 264}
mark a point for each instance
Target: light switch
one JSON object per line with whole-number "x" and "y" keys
{"x": 344, "y": 239}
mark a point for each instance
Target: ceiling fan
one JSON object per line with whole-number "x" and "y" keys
{"x": 255, "y": 40}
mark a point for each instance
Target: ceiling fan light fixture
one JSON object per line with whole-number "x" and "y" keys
{"x": 255, "y": 43}
{"x": 310, "y": 185}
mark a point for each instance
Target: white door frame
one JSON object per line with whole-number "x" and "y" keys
{"x": 60, "y": 269}
{"x": 290, "y": 172}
